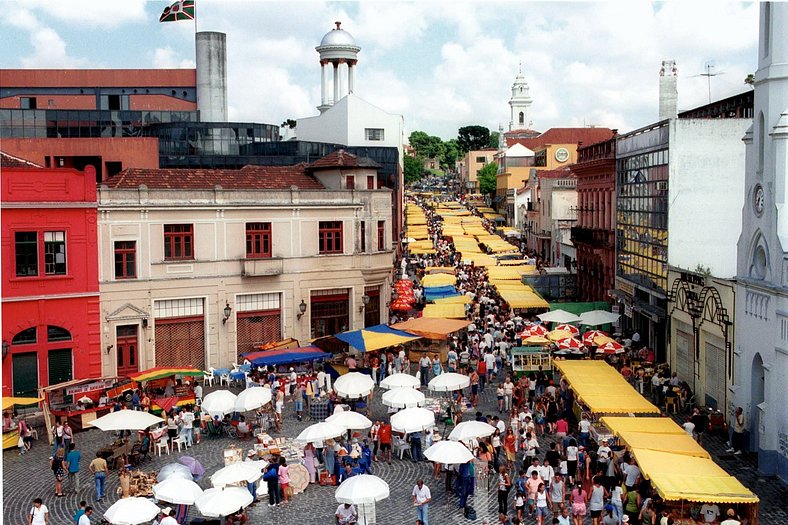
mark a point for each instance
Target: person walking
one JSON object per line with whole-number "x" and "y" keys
{"x": 56, "y": 463}
{"x": 39, "y": 513}
{"x": 424, "y": 369}
{"x": 284, "y": 479}
{"x": 421, "y": 500}
{"x": 68, "y": 436}
{"x": 737, "y": 438}
{"x": 72, "y": 465}
{"x": 385, "y": 441}
{"x": 504, "y": 486}
{"x": 85, "y": 518}
{"x": 99, "y": 469}
{"x": 271, "y": 477}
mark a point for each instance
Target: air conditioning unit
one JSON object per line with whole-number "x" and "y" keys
{"x": 662, "y": 185}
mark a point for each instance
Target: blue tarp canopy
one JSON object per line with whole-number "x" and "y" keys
{"x": 439, "y": 292}
{"x": 375, "y": 337}
{"x": 284, "y": 356}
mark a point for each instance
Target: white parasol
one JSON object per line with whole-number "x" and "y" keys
{"x": 403, "y": 397}
{"x": 558, "y": 316}
{"x": 400, "y": 381}
{"x": 217, "y": 503}
{"x": 412, "y": 420}
{"x": 449, "y": 381}
{"x": 449, "y": 453}
{"x": 360, "y": 489}
{"x": 471, "y": 429}
{"x": 219, "y": 403}
{"x": 241, "y": 471}
{"x": 350, "y": 420}
{"x": 252, "y": 399}
{"x": 174, "y": 470}
{"x": 354, "y": 385}
{"x": 177, "y": 491}
{"x": 318, "y": 432}
{"x": 598, "y": 317}
{"x": 126, "y": 420}
{"x": 132, "y": 511}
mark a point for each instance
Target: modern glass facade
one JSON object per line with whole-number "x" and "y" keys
{"x": 642, "y": 214}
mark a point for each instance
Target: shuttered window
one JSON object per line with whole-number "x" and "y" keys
{"x": 685, "y": 352}
{"x": 180, "y": 342}
{"x": 60, "y": 366}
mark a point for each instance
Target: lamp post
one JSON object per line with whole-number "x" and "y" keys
{"x": 227, "y": 311}
{"x": 364, "y": 302}
{"x": 301, "y": 309}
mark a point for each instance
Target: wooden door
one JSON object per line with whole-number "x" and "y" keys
{"x": 127, "y": 353}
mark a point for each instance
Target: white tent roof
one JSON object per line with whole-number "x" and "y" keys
{"x": 518, "y": 150}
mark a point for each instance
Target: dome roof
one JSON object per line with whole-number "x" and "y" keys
{"x": 338, "y": 37}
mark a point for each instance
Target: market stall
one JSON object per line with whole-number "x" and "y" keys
{"x": 11, "y": 433}
{"x": 435, "y": 333}
{"x": 527, "y": 359}
{"x": 155, "y": 381}
{"x": 79, "y": 401}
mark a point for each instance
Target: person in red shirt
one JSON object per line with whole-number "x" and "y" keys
{"x": 384, "y": 434}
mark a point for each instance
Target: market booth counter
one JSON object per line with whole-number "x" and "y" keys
{"x": 435, "y": 333}
{"x": 155, "y": 380}
{"x": 11, "y": 433}
{"x": 78, "y": 401}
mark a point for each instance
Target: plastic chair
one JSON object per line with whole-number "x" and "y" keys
{"x": 180, "y": 440}
{"x": 671, "y": 403}
{"x": 208, "y": 377}
{"x": 34, "y": 433}
{"x": 163, "y": 443}
{"x": 400, "y": 446}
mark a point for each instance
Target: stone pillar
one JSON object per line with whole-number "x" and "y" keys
{"x": 336, "y": 82}
{"x": 323, "y": 83}
{"x": 350, "y": 80}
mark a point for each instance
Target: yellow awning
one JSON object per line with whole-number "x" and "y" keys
{"x": 438, "y": 279}
{"x": 423, "y": 251}
{"x": 505, "y": 272}
{"x": 445, "y": 311}
{"x": 674, "y": 443}
{"x": 679, "y": 477}
{"x": 432, "y": 328}
{"x": 456, "y": 299}
{"x": 603, "y": 389}
{"x": 439, "y": 269}
{"x": 651, "y": 425}
{"x": 478, "y": 259}
{"x": 8, "y": 402}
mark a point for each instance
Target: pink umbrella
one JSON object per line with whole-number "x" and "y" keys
{"x": 610, "y": 347}
{"x": 570, "y": 343}
{"x": 589, "y": 336}
{"x": 568, "y": 328}
{"x": 195, "y": 467}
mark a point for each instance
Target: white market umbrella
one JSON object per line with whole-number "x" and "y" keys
{"x": 217, "y": 503}
{"x": 85, "y": 400}
{"x": 413, "y": 420}
{"x": 403, "y": 397}
{"x": 219, "y": 402}
{"x": 449, "y": 381}
{"x": 174, "y": 470}
{"x": 177, "y": 491}
{"x": 471, "y": 430}
{"x": 132, "y": 511}
{"x": 318, "y": 432}
{"x": 362, "y": 489}
{"x": 558, "y": 316}
{"x": 126, "y": 420}
{"x": 400, "y": 381}
{"x": 598, "y": 317}
{"x": 240, "y": 471}
{"x": 350, "y": 420}
{"x": 354, "y": 385}
{"x": 252, "y": 399}
{"x": 448, "y": 453}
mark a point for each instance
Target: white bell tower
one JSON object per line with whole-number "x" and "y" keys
{"x": 520, "y": 102}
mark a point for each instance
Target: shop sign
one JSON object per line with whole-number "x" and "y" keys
{"x": 628, "y": 310}
{"x": 90, "y": 387}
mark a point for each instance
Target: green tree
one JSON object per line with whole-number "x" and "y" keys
{"x": 472, "y": 138}
{"x": 427, "y": 146}
{"x": 487, "y": 178}
{"x": 750, "y": 80}
{"x": 451, "y": 151}
{"x": 494, "y": 138}
{"x": 413, "y": 168}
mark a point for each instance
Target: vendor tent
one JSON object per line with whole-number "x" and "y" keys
{"x": 285, "y": 356}
{"x": 432, "y": 328}
{"x": 445, "y": 311}
{"x": 438, "y": 279}
{"x": 439, "y": 292}
{"x": 160, "y": 372}
{"x": 375, "y": 338}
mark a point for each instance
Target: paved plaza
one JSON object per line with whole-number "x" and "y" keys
{"x": 29, "y": 476}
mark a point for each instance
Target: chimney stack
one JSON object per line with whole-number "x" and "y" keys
{"x": 668, "y": 90}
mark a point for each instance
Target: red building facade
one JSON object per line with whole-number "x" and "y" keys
{"x": 594, "y": 235}
{"x": 50, "y": 314}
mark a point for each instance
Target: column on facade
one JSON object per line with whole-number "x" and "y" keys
{"x": 323, "y": 82}
{"x": 336, "y": 81}
{"x": 343, "y": 77}
{"x": 351, "y": 67}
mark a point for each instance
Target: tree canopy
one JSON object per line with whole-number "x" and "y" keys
{"x": 427, "y": 146}
{"x": 413, "y": 169}
{"x": 472, "y": 138}
{"x": 487, "y": 178}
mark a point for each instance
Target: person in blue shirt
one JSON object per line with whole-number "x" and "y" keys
{"x": 81, "y": 511}
{"x": 365, "y": 462}
{"x": 72, "y": 461}
{"x": 415, "y": 446}
{"x": 135, "y": 399}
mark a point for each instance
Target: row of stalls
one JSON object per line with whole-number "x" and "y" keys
{"x": 680, "y": 470}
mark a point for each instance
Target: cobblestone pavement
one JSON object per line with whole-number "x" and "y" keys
{"x": 29, "y": 476}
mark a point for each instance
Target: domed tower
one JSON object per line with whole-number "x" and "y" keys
{"x": 337, "y": 49}
{"x": 519, "y": 103}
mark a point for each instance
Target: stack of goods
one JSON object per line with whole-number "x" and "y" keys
{"x": 142, "y": 484}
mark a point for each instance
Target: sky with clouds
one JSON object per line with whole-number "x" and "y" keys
{"x": 441, "y": 64}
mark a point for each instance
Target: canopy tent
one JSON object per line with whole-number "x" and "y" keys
{"x": 375, "y": 338}
{"x": 445, "y": 311}
{"x": 680, "y": 477}
{"x": 439, "y": 269}
{"x": 438, "y": 279}
{"x": 439, "y": 292}
{"x": 285, "y": 356}
{"x": 478, "y": 259}
{"x": 603, "y": 389}
{"x": 651, "y": 425}
{"x": 558, "y": 316}
{"x": 682, "y": 444}
{"x": 513, "y": 273}
{"x": 522, "y": 298}
{"x": 8, "y": 402}
{"x": 161, "y": 372}
{"x": 454, "y": 299}
{"x": 432, "y": 328}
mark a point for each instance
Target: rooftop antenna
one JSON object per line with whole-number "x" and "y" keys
{"x": 708, "y": 74}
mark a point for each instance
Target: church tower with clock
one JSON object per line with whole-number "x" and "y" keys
{"x": 519, "y": 103}
{"x": 761, "y": 356}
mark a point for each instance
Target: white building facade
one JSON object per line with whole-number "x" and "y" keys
{"x": 196, "y": 273}
{"x": 759, "y": 382}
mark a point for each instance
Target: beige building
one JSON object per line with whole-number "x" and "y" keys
{"x": 196, "y": 266}
{"x": 469, "y": 166}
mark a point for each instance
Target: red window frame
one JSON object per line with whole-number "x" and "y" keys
{"x": 350, "y": 182}
{"x": 179, "y": 242}
{"x": 125, "y": 253}
{"x": 370, "y": 182}
{"x": 258, "y": 240}
{"x": 381, "y": 236}
{"x": 329, "y": 237}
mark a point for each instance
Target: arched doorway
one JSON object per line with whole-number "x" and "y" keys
{"x": 757, "y": 388}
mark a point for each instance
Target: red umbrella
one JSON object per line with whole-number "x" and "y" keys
{"x": 534, "y": 329}
{"x": 570, "y": 343}
{"x": 401, "y": 305}
{"x": 403, "y": 284}
{"x": 589, "y": 336}
{"x": 568, "y": 328}
{"x": 610, "y": 348}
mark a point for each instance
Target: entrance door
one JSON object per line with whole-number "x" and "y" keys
{"x": 60, "y": 366}
{"x": 25, "y": 374}
{"x": 127, "y": 350}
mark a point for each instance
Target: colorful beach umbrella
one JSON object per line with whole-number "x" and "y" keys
{"x": 568, "y": 328}
{"x": 610, "y": 348}
{"x": 570, "y": 343}
{"x": 160, "y": 372}
{"x": 375, "y": 338}
{"x": 534, "y": 329}
{"x": 590, "y": 336}
{"x": 557, "y": 335}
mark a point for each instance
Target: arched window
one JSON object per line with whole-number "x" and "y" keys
{"x": 25, "y": 337}
{"x": 56, "y": 333}
{"x": 522, "y": 118}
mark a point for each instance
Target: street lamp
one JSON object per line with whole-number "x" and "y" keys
{"x": 6, "y": 348}
{"x": 301, "y": 309}
{"x": 227, "y": 311}
{"x": 364, "y": 301}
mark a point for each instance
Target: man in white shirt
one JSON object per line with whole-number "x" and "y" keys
{"x": 198, "y": 393}
{"x": 346, "y": 514}
{"x": 584, "y": 426}
{"x": 489, "y": 361}
{"x": 731, "y": 520}
{"x": 85, "y": 518}
{"x": 421, "y": 500}
{"x": 603, "y": 455}
{"x": 547, "y": 473}
{"x": 169, "y": 518}
{"x": 710, "y": 512}
{"x": 321, "y": 381}
{"x": 188, "y": 426}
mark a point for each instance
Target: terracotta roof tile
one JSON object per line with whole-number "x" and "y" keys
{"x": 247, "y": 178}
{"x": 564, "y": 136}
{"x": 563, "y": 173}
{"x": 9, "y": 161}
{"x": 342, "y": 159}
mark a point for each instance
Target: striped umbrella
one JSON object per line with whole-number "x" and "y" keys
{"x": 610, "y": 348}
{"x": 570, "y": 343}
{"x": 591, "y": 335}
{"x": 534, "y": 330}
{"x": 568, "y": 328}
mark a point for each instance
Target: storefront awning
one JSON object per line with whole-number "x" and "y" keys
{"x": 445, "y": 311}
{"x": 432, "y": 328}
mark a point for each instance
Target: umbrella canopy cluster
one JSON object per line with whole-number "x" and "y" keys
{"x": 375, "y": 338}
{"x": 238, "y": 472}
{"x": 132, "y": 511}
{"x": 220, "y": 502}
{"x": 219, "y": 403}
{"x": 349, "y": 420}
{"x": 449, "y": 382}
{"x": 252, "y": 399}
{"x": 362, "y": 489}
{"x": 126, "y": 420}
{"x": 320, "y": 432}
{"x": 449, "y": 453}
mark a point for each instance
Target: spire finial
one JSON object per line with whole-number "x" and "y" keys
{"x": 521, "y": 67}
{"x": 338, "y": 23}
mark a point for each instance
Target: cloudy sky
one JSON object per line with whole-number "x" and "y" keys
{"x": 441, "y": 64}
